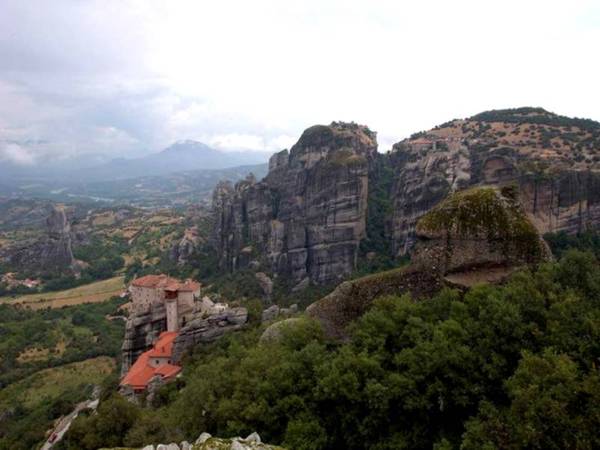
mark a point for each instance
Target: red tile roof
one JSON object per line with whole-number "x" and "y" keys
{"x": 141, "y": 372}
{"x": 163, "y": 348}
{"x": 166, "y": 282}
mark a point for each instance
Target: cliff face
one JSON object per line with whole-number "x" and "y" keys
{"x": 53, "y": 251}
{"x": 333, "y": 191}
{"x": 305, "y": 219}
{"x": 202, "y": 326}
{"x": 554, "y": 160}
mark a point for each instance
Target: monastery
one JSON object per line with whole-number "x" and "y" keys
{"x": 178, "y": 298}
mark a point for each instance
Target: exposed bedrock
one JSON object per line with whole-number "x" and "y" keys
{"x": 307, "y": 216}
{"x": 53, "y": 251}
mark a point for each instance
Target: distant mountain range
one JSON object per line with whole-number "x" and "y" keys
{"x": 181, "y": 156}
{"x": 185, "y": 155}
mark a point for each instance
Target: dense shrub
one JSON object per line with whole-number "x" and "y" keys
{"x": 511, "y": 366}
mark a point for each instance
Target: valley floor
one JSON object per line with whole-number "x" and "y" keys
{"x": 98, "y": 291}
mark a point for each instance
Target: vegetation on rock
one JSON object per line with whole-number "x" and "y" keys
{"x": 483, "y": 212}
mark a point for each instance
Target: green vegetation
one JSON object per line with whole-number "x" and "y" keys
{"x": 375, "y": 250}
{"x": 482, "y": 211}
{"x": 29, "y": 406}
{"x": 537, "y": 116}
{"x": 49, "y": 360}
{"x": 513, "y": 366}
{"x": 90, "y": 293}
{"x": 561, "y": 242}
{"x": 33, "y": 340}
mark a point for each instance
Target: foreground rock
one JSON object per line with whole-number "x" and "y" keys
{"x": 306, "y": 218}
{"x": 203, "y": 329}
{"x": 476, "y": 235}
{"x": 352, "y": 299}
{"x": 206, "y": 442}
{"x": 476, "y": 230}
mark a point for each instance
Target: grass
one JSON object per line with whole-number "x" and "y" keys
{"x": 51, "y": 383}
{"x": 98, "y": 291}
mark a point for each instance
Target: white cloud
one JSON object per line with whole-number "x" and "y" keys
{"x": 140, "y": 74}
{"x": 16, "y": 154}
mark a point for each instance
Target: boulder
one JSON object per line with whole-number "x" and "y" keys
{"x": 270, "y": 314}
{"x": 204, "y": 329}
{"x": 477, "y": 228}
{"x": 204, "y": 436}
{"x": 353, "y": 298}
{"x": 266, "y": 284}
{"x": 273, "y": 332}
{"x": 253, "y": 438}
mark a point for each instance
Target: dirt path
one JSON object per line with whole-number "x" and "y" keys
{"x": 64, "y": 424}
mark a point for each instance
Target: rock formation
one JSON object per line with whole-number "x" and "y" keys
{"x": 207, "y": 442}
{"x": 183, "y": 249}
{"x": 353, "y": 298}
{"x": 141, "y": 330}
{"x": 52, "y": 252}
{"x": 333, "y": 191}
{"x": 204, "y": 329}
{"x": 476, "y": 235}
{"x": 305, "y": 219}
{"x": 203, "y": 326}
{"x": 552, "y": 159}
{"x": 477, "y": 228}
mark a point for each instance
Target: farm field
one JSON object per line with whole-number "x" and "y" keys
{"x": 51, "y": 383}
{"x": 98, "y": 291}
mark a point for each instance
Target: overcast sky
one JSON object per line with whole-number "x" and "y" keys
{"x": 128, "y": 77}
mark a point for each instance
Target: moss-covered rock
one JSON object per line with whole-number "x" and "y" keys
{"x": 353, "y": 298}
{"x": 478, "y": 227}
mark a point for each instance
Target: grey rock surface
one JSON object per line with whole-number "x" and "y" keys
{"x": 51, "y": 252}
{"x": 266, "y": 284}
{"x": 205, "y": 329}
{"x": 307, "y": 216}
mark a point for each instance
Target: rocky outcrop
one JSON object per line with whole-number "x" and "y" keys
{"x": 52, "y": 252}
{"x": 206, "y": 324}
{"x": 274, "y": 332}
{"x": 475, "y": 235}
{"x": 183, "y": 249}
{"x": 266, "y": 284}
{"x": 141, "y": 331}
{"x": 207, "y": 442}
{"x": 552, "y": 159}
{"x": 333, "y": 191}
{"x": 203, "y": 329}
{"x": 352, "y": 299}
{"x": 305, "y": 219}
{"x": 477, "y": 228}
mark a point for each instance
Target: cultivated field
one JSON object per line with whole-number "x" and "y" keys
{"x": 51, "y": 383}
{"x": 88, "y": 293}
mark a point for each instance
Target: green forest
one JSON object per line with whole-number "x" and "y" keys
{"x": 40, "y": 355}
{"x": 511, "y": 366}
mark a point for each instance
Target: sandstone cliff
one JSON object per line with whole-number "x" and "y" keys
{"x": 306, "y": 218}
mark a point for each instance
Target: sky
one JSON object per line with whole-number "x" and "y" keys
{"x": 122, "y": 78}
